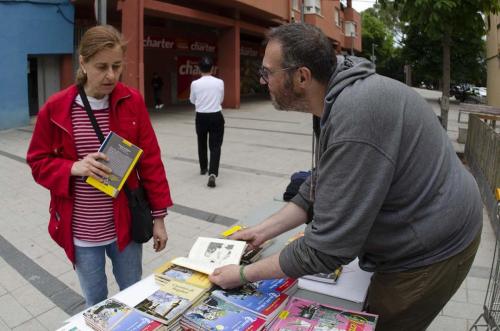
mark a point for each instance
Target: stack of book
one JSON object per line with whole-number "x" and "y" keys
{"x": 305, "y": 315}
{"x": 168, "y": 303}
{"x": 214, "y": 313}
{"x": 112, "y": 315}
{"x": 170, "y": 271}
{"x": 329, "y": 278}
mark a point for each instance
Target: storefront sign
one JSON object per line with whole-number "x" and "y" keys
{"x": 158, "y": 42}
{"x": 187, "y": 71}
{"x": 247, "y": 50}
{"x": 200, "y": 46}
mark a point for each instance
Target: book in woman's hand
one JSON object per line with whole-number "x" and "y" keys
{"x": 122, "y": 157}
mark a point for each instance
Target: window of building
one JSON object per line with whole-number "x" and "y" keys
{"x": 295, "y": 4}
{"x": 312, "y": 7}
{"x": 336, "y": 15}
{"x": 350, "y": 28}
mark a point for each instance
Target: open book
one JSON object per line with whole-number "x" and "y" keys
{"x": 122, "y": 155}
{"x": 207, "y": 254}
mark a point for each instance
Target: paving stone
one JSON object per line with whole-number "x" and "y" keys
{"x": 12, "y": 313}
{"x": 31, "y": 325}
{"x": 463, "y": 310}
{"x": 460, "y": 295}
{"x": 32, "y": 300}
{"x": 10, "y": 279}
{"x": 53, "y": 319}
{"x": 476, "y": 297}
{"x": 445, "y": 323}
{"x": 474, "y": 283}
{"x": 53, "y": 264}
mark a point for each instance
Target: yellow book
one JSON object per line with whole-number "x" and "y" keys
{"x": 123, "y": 156}
{"x": 170, "y": 271}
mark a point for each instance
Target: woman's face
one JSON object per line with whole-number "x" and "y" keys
{"x": 103, "y": 71}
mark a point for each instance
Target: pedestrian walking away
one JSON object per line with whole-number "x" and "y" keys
{"x": 85, "y": 222}
{"x": 386, "y": 187}
{"x": 207, "y": 94}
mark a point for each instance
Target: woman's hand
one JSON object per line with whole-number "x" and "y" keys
{"x": 89, "y": 166}
{"x": 160, "y": 236}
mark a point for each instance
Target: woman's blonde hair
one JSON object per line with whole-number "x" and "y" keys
{"x": 95, "y": 40}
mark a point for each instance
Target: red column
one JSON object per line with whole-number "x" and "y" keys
{"x": 133, "y": 31}
{"x": 66, "y": 71}
{"x": 228, "y": 61}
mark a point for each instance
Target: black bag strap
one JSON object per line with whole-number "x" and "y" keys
{"x": 93, "y": 120}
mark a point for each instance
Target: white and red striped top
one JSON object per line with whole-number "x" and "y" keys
{"x": 93, "y": 222}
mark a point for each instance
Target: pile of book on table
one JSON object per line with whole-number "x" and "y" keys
{"x": 186, "y": 300}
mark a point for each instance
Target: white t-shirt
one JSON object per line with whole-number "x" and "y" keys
{"x": 207, "y": 94}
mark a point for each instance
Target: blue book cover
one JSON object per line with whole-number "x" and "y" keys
{"x": 264, "y": 304}
{"x": 135, "y": 321}
{"x": 275, "y": 285}
{"x": 215, "y": 314}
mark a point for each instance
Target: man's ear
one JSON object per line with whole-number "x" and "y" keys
{"x": 304, "y": 75}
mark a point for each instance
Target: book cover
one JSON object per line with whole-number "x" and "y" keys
{"x": 135, "y": 321}
{"x": 123, "y": 155}
{"x": 305, "y": 315}
{"x": 264, "y": 304}
{"x": 352, "y": 285}
{"x": 330, "y": 278}
{"x": 215, "y": 314}
{"x": 106, "y": 314}
{"x": 169, "y": 271}
{"x": 170, "y": 301}
{"x": 207, "y": 254}
{"x": 283, "y": 285}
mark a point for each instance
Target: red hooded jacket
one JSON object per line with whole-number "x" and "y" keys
{"x": 52, "y": 152}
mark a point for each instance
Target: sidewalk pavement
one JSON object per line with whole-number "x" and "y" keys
{"x": 262, "y": 147}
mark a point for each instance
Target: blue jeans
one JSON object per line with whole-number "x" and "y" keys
{"x": 90, "y": 263}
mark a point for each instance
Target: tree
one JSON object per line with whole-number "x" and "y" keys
{"x": 440, "y": 20}
{"x": 378, "y": 40}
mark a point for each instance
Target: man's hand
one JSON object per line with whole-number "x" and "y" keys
{"x": 160, "y": 236}
{"x": 89, "y": 166}
{"x": 226, "y": 277}
{"x": 253, "y": 236}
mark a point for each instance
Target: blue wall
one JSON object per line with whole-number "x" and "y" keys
{"x": 28, "y": 28}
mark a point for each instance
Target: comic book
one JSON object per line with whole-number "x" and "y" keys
{"x": 306, "y": 315}
{"x": 216, "y": 314}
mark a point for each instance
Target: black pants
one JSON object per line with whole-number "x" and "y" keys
{"x": 157, "y": 96}
{"x": 210, "y": 125}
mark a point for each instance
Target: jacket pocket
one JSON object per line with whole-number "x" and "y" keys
{"x": 55, "y": 222}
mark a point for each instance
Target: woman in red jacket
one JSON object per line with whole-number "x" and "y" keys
{"x": 87, "y": 223}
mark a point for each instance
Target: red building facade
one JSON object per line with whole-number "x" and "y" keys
{"x": 170, "y": 36}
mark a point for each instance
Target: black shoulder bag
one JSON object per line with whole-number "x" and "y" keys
{"x": 140, "y": 212}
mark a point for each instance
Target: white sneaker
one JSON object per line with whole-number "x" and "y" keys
{"x": 156, "y": 106}
{"x": 160, "y": 106}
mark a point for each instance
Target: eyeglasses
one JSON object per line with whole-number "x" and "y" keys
{"x": 265, "y": 72}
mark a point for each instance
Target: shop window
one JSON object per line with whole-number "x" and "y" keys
{"x": 337, "y": 17}
{"x": 312, "y": 7}
{"x": 295, "y": 5}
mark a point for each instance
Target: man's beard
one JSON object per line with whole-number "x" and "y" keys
{"x": 287, "y": 99}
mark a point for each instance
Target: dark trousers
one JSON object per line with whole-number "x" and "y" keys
{"x": 210, "y": 125}
{"x": 410, "y": 300}
{"x": 157, "y": 96}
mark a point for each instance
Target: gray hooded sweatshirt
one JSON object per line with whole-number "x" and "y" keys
{"x": 389, "y": 186}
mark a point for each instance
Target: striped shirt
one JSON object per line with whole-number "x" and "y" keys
{"x": 93, "y": 219}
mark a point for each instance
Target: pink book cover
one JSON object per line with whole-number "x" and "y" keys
{"x": 306, "y": 315}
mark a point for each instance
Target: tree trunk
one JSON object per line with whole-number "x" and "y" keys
{"x": 445, "y": 98}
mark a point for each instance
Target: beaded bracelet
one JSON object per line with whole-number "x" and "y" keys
{"x": 243, "y": 279}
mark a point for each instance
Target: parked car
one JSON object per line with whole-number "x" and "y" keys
{"x": 468, "y": 93}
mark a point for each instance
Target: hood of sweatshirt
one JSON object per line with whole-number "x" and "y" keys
{"x": 349, "y": 69}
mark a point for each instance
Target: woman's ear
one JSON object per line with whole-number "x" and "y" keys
{"x": 80, "y": 61}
